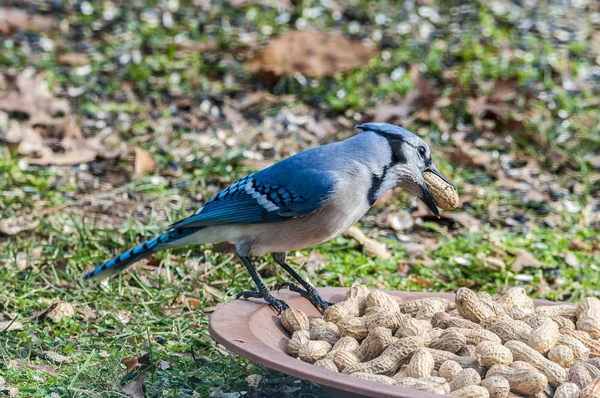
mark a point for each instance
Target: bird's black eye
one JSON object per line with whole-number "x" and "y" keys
{"x": 422, "y": 151}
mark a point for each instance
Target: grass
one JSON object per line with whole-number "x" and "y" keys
{"x": 88, "y": 214}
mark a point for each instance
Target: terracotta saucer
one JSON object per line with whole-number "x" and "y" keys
{"x": 251, "y": 329}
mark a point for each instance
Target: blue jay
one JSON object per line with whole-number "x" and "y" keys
{"x": 302, "y": 201}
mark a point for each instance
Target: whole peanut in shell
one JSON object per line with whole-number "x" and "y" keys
{"x": 471, "y": 391}
{"x": 449, "y": 369}
{"x": 449, "y": 340}
{"x": 521, "y": 381}
{"x": 567, "y": 390}
{"x": 522, "y": 352}
{"x": 544, "y": 337}
{"x": 421, "y": 364}
{"x": 377, "y": 298}
{"x": 294, "y": 319}
{"x": 445, "y": 195}
{"x": 390, "y": 359}
{"x": 472, "y": 307}
{"x": 328, "y": 332}
{"x": 299, "y": 338}
{"x": 374, "y": 344}
{"x": 497, "y": 386}
{"x": 382, "y": 379}
{"x": 490, "y": 353}
{"x": 562, "y": 355}
{"x": 326, "y": 363}
{"x": 342, "y": 359}
{"x": 466, "y": 377}
{"x": 312, "y": 351}
{"x": 342, "y": 310}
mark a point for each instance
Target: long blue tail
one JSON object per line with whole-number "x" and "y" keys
{"x": 125, "y": 260}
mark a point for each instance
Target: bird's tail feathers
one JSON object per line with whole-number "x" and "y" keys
{"x": 125, "y": 260}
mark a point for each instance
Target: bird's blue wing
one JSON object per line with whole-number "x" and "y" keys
{"x": 273, "y": 194}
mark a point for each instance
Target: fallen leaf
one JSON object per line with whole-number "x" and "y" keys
{"x": 73, "y": 59}
{"x": 192, "y": 303}
{"x": 253, "y": 380}
{"x": 143, "y": 162}
{"x": 286, "y": 4}
{"x": 33, "y": 97}
{"x": 57, "y": 311}
{"x": 371, "y": 246}
{"x": 51, "y": 370}
{"x": 422, "y": 96}
{"x": 421, "y": 281}
{"x": 575, "y": 244}
{"x": 309, "y": 53}
{"x": 12, "y": 19}
{"x": 56, "y": 357}
{"x": 315, "y": 262}
{"x": 136, "y": 389}
{"x": 14, "y": 226}
{"x": 525, "y": 259}
{"x": 10, "y": 325}
{"x": 132, "y": 363}
{"x": 503, "y": 90}
{"x": 164, "y": 365}
{"x": 88, "y": 313}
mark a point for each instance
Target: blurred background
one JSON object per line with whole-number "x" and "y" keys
{"x": 118, "y": 118}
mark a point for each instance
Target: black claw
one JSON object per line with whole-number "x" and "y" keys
{"x": 311, "y": 294}
{"x": 278, "y": 305}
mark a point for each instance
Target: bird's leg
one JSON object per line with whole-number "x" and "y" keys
{"x": 263, "y": 292}
{"x": 309, "y": 292}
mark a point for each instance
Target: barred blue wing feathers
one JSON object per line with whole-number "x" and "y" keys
{"x": 267, "y": 196}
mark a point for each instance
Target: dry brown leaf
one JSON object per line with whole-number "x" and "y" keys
{"x": 164, "y": 365}
{"x": 57, "y": 311}
{"x": 315, "y": 262}
{"x": 136, "y": 388}
{"x": 192, "y": 302}
{"x": 503, "y": 90}
{"x": 56, "y": 357}
{"x": 143, "y": 162}
{"x": 88, "y": 313}
{"x": 42, "y": 367}
{"x": 73, "y": 59}
{"x": 132, "y": 363}
{"x": 310, "y": 53}
{"x": 33, "y": 97}
{"x": 286, "y": 4}
{"x": 422, "y": 96}
{"x": 12, "y": 19}
{"x": 10, "y": 325}
{"x": 49, "y": 136}
{"x": 523, "y": 260}
{"x": 14, "y": 226}
{"x": 372, "y": 247}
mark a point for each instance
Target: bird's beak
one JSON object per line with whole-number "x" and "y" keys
{"x": 426, "y": 195}
{"x": 435, "y": 171}
{"x": 428, "y": 199}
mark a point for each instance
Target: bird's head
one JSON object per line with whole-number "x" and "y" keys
{"x": 410, "y": 159}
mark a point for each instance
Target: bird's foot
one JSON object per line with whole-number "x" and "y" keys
{"x": 311, "y": 294}
{"x": 278, "y": 305}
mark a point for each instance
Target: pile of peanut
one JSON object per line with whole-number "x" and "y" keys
{"x": 476, "y": 346}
